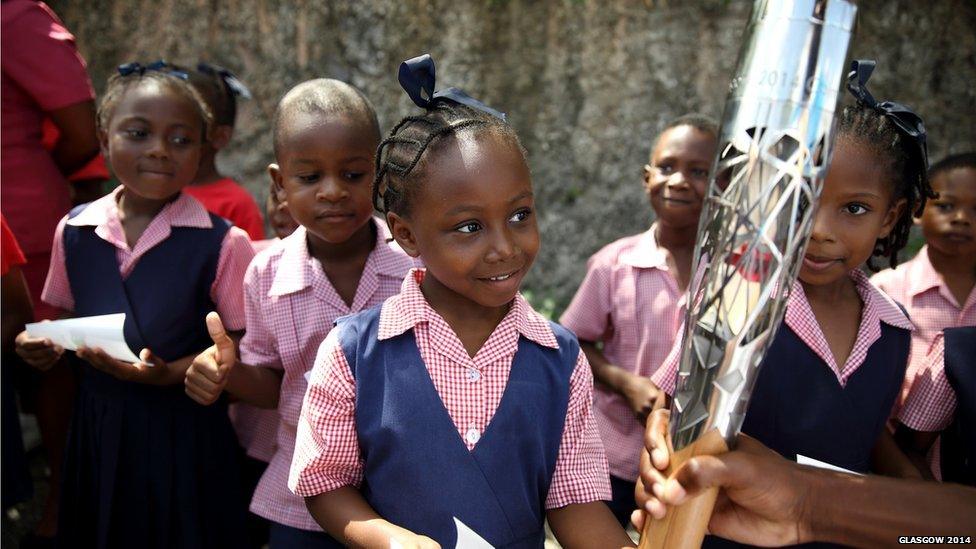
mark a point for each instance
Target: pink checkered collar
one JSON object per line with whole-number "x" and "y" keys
{"x": 647, "y": 254}
{"x": 410, "y": 308}
{"x": 295, "y": 267}
{"x": 921, "y": 275}
{"x": 878, "y": 308}
{"x": 185, "y": 211}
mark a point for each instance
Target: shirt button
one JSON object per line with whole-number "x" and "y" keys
{"x": 473, "y": 375}
{"x": 472, "y": 436}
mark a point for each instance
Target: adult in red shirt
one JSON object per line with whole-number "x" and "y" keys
{"x": 43, "y": 76}
{"x": 222, "y": 195}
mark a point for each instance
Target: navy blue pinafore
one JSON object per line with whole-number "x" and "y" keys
{"x": 419, "y": 474}
{"x": 146, "y": 466}
{"x": 959, "y": 439}
{"x": 799, "y": 407}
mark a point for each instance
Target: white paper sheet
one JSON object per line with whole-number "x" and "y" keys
{"x": 804, "y": 460}
{"x": 104, "y": 332}
{"x": 468, "y": 538}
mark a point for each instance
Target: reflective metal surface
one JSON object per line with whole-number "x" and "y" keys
{"x": 774, "y": 147}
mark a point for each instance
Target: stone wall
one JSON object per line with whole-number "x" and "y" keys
{"x": 586, "y": 83}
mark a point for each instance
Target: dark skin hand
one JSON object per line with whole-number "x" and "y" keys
{"x": 640, "y": 392}
{"x": 768, "y": 501}
{"x": 78, "y": 140}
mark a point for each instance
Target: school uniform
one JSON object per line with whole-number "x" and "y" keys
{"x": 629, "y": 301}
{"x": 917, "y": 286}
{"x": 943, "y": 399}
{"x": 291, "y": 306}
{"x": 145, "y": 465}
{"x": 397, "y": 408}
{"x": 805, "y": 403}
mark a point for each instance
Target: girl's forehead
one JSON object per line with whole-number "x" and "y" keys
{"x": 156, "y": 101}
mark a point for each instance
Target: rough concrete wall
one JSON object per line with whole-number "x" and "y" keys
{"x": 585, "y": 82}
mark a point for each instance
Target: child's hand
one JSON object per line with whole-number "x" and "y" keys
{"x": 654, "y": 460}
{"x": 413, "y": 541}
{"x": 207, "y": 375}
{"x": 150, "y": 369}
{"x": 641, "y": 395}
{"x": 39, "y": 352}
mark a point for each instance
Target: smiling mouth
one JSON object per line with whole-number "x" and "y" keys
{"x": 501, "y": 277}
{"x": 958, "y": 237}
{"x": 817, "y": 263}
{"x": 333, "y": 216}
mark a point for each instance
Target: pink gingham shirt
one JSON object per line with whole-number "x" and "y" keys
{"x": 630, "y": 301}
{"x": 327, "y": 456}
{"x": 185, "y": 211}
{"x": 877, "y": 308}
{"x": 932, "y": 307}
{"x": 291, "y": 306}
{"x": 931, "y": 403}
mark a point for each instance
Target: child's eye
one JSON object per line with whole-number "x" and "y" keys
{"x": 308, "y": 177}
{"x": 353, "y": 176}
{"x": 469, "y": 227}
{"x": 181, "y": 140}
{"x": 944, "y": 207}
{"x": 520, "y": 215}
{"x": 856, "y": 209}
{"x": 135, "y": 133}
{"x": 699, "y": 173}
{"x": 665, "y": 169}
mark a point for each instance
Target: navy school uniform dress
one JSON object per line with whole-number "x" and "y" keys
{"x": 146, "y": 466}
{"x": 418, "y": 472}
{"x": 799, "y": 407}
{"x": 958, "y": 441}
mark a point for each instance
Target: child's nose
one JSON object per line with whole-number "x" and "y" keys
{"x": 331, "y": 190}
{"x": 677, "y": 179}
{"x": 821, "y": 227}
{"x": 158, "y": 147}
{"x": 503, "y": 246}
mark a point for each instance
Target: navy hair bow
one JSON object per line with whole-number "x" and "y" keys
{"x": 417, "y": 79}
{"x": 903, "y": 117}
{"x": 230, "y": 80}
{"x": 158, "y": 66}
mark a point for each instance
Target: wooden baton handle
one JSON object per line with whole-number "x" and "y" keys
{"x": 683, "y": 527}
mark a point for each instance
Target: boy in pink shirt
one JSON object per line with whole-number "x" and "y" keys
{"x": 628, "y": 308}
{"x": 936, "y": 286}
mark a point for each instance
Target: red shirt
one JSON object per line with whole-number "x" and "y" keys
{"x": 10, "y": 254}
{"x": 41, "y": 72}
{"x": 226, "y": 198}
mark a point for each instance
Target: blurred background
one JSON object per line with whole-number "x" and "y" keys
{"x": 587, "y": 84}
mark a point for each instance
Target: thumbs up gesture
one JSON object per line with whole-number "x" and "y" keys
{"x": 207, "y": 375}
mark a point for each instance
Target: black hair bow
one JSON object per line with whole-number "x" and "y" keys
{"x": 903, "y": 117}
{"x": 417, "y": 79}
{"x": 230, "y": 80}
{"x": 128, "y": 69}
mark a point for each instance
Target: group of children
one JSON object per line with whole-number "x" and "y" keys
{"x": 387, "y": 369}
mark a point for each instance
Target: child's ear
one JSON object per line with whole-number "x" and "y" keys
{"x": 402, "y": 233}
{"x": 647, "y": 177}
{"x": 277, "y": 181}
{"x": 892, "y": 217}
{"x": 221, "y": 136}
{"x": 103, "y": 142}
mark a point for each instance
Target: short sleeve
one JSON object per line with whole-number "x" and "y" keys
{"x": 40, "y": 55}
{"x": 327, "y": 453}
{"x": 10, "y": 252}
{"x": 227, "y": 291}
{"x": 581, "y": 473}
{"x": 588, "y": 315}
{"x": 258, "y": 346}
{"x": 57, "y": 288}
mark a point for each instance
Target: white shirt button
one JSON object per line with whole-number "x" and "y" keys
{"x": 472, "y": 436}
{"x": 473, "y": 375}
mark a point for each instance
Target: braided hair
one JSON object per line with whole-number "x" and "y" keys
{"x": 119, "y": 84}
{"x": 905, "y": 165}
{"x": 400, "y": 154}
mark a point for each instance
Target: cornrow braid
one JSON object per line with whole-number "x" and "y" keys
{"x": 905, "y": 165}
{"x": 403, "y": 149}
